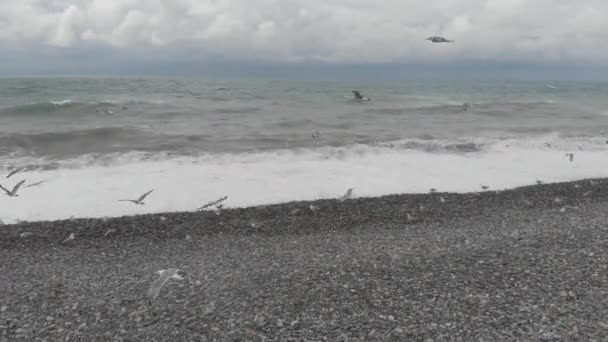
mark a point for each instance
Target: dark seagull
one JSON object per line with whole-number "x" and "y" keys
{"x": 140, "y": 200}
{"x": 359, "y": 97}
{"x": 436, "y": 39}
{"x": 13, "y": 193}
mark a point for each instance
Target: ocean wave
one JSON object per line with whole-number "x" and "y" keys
{"x": 490, "y": 108}
{"x": 67, "y": 106}
{"x": 67, "y": 143}
{"x": 90, "y": 186}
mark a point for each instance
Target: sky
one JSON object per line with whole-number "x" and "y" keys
{"x": 166, "y": 36}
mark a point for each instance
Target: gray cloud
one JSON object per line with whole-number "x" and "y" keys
{"x": 331, "y": 31}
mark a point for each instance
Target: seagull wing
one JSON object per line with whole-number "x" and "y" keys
{"x": 35, "y": 184}
{"x": 134, "y": 201}
{"x": 141, "y": 198}
{"x": 18, "y": 186}
{"x": 164, "y": 276}
{"x": 5, "y": 189}
{"x": 19, "y": 169}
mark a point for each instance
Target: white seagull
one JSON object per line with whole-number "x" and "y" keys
{"x": 13, "y": 193}
{"x": 140, "y": 200}
{"x": 164, "y": 276}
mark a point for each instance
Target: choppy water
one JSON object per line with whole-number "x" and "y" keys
{"x": 100, "y": 140}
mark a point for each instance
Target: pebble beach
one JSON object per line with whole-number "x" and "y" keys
{"x": 527, "y": 264}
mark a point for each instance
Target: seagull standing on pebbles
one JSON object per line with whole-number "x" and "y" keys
{"x": 13, "y": 193}
{"x": 140, "y": 200}
{"x": 164, "y": 276}
{"x": 347, "y": 195}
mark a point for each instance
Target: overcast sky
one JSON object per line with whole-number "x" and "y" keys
{"x": 101, "y": 35}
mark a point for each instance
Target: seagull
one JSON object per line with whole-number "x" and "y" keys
{"x": 347, "y": 195}
{"x": 139, "y": 200}
{"x": 105, "y": 111}
{"x": 433, "y": 190}
{"x": 19, "y": 169}
{"x": 70, "y": 238}
{"x": 13, "y": 193}
{"x": 164, "y": 276}
{"x": 316, "y": 135}
{"x": 359, "y": 97}
{"x": 539, "y": 182}
{"x": 214, "y": 203}
{"x": 570, "y": 156}
{"x": 485, "y": 187}
{"x": 109, "y": 231}
{"x": 35, "y": 184}
{"x": 466, "y": 106}
{"x": 436, "y": 39}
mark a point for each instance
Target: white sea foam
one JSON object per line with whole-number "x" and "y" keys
{"x": 87, "y": 189}
{"x": 61, "y": 102}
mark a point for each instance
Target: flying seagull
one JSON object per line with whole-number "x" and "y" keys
{"x": 436, "y": 39}
{"x": 570, "y": 156}
{"x": 140, "y": 200}
{"x": 316, "y": 135}
{"x": 347, "y": 195}
{"x": 359, "y": 97}
{"x": 35, "y": 184}
{"x": 13, "y": 193}
{"x": 164, "y": 276}
{"x": 213, "y": 203}
{"x": 19, "y": 169}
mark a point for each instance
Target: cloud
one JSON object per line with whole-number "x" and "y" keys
{"x": 337, "y": 31}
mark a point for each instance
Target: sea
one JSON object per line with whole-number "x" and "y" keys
{"x": 87, "y": 143}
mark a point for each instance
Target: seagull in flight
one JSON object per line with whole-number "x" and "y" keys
{"x": 140, "y": 200}
{"x": 215, "y": 203}
{"x": 359, "y": 97}
{"x": 13, "y": 193}
{"x": 570, "y": 156}
{"x": 347, "y": 195}
{"x": 436, "y": 39}
{"x": 19, "y": 169}
{"x": 316, "y": 135}
{"x": 164, "y": 276}
{"x": 35, "y": 184}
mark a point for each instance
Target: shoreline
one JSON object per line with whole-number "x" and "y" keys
{"x": 519, "y": 264}
{"x": 396, "y": 207}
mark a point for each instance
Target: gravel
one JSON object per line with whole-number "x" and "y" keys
{"x": 527, "y": 264}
